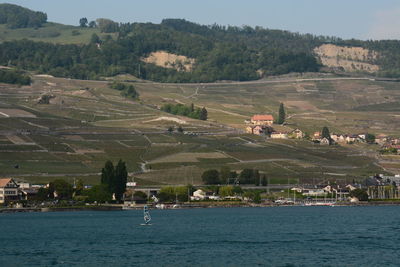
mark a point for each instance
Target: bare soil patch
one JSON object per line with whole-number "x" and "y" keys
{"x": 348, "y": 58}
{"x": 172, "y": 61}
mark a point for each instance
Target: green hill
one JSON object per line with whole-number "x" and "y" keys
{"x": 190, "y": 52}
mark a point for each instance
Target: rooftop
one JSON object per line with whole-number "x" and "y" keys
{"x": 262, "y": 118}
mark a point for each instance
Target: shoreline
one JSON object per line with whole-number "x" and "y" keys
{"x": 188, "y": 206}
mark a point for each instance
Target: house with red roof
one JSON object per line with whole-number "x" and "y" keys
{"x": 266, "y": 120}
{"x": 8, "y": 190}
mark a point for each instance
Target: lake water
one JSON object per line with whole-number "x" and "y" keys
{"x": 276, "y": 236}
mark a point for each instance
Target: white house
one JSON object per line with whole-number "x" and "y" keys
{"x": 279, "y": 135}
{"x": 8, "y": 190}
{"x": 198, "y": 195}
{"x": 314, "y": 192}
{"x": 325, "y": 141}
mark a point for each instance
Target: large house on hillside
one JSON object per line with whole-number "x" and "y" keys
{"x": 266, "y": 120}
{"x": 8, "y": 190}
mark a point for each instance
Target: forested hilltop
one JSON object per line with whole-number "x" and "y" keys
{"x": 196, "y": 53}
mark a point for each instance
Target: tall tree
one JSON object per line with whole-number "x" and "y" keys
{"x": 325, "y": 133}
{"x": 121, "y": 177}
{"x": 108, "y": 176}
{"x": 83, "y": 22}
{"x": 282, "y": 114}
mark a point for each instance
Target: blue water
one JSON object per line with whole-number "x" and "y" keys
{"x": 279, "y": 236}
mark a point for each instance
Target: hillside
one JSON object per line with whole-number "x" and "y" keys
{"x": 86, "y": 123}
{"x": 220, "y": 52}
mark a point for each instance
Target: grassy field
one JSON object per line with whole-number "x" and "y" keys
{"x": 86, "y": 123}
{"x": 50, "y": 32}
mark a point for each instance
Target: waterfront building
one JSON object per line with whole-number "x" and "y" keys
{"x": 8, "y": 190}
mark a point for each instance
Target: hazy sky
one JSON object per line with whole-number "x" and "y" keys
{"x": 362, "y": 19}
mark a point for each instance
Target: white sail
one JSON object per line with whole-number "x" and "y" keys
{"x": 146, "y": 215}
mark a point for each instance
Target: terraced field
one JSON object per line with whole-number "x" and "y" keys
{"x": 86, "y": 123}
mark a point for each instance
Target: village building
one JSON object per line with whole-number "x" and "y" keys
{"x": 362, "y": 136}
{"x": 297, "y": 134}
{"x": 317, "y": 136}
{"x": 8, "y": 190}
{"x": 257, "y": 129}
{"x": 198, "y": 195}
{"x": 266, "y": 120}
{"x": 352, "y": 138}
{"x": 325, "y": 141}
{"x": 336, "y": 137}
{"x": 279, "y": 135}
{"x": 381, "y": 139}
{"x": 314, "y": 192}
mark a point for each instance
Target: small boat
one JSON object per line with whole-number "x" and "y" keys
{"x": 146, "y": 216}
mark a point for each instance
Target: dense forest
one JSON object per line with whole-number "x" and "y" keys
{"x": 18, "y": 17}
{"x": 220, "y": 52}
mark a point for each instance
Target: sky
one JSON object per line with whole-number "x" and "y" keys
{"x": 360, "y": 19}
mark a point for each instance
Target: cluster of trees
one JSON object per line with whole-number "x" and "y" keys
{"x": 18, "y": 17}
{"x": 14, "y": 77}
{"x": 127, "y": 90}
{"x": 188, "y": 111}
{"x": 173, "y": 194}
{"x": 59, "y": 189}
{"x": 226, "y": 176}
{"x": 113, "y": 179}
{"x": 83, "y": 23}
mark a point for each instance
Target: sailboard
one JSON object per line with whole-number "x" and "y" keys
{"x": 146, "y": 216}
